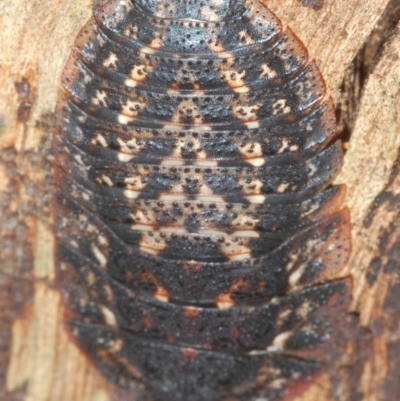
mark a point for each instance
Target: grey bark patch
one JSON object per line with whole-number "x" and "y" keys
{"x": 314, "y": 4}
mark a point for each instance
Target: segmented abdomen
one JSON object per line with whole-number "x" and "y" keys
{"x": 198, "y": 234}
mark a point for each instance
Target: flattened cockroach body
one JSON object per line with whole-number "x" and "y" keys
{"x": 199, "y": 237}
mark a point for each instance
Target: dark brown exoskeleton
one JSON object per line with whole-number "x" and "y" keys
{"x": 199, "y": 236}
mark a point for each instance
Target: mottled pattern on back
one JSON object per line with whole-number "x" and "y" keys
{"x": 199, "y": 237}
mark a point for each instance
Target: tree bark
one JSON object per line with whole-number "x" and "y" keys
{"x": 38, "y": 361}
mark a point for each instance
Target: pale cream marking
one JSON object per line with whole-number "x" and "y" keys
{"x": 313, "y": 169}
{"x": 101, "y": 140}
{"x": 87, "y": 78}
{"x": 302, "y": 89}
{"x": 256, "y": 185}
{"x": 172, "y": 127}
{"x": 267, "y": 72}
{"x": 235, "y": 249}
{"x": 91, "y": 278}
{"x": 99, "y": 256}
{"x": 111, "y": 61}
{"x": 293, "y": 259}
{"x": 233, "y": 77}
{"x": 131, "y": 83}
{"x": 122, "y": 119}
{"x": 245, "y": 112}
{"x": 312, "y": 209}
{"x": 278, "y": 344}
{"x": 101, "y": 39}
{"x": 100, "y": 99}
{"x": 258, "y": 162}
{"x": 248, "y": 40}
{"x": 90, "y": 228}
{"x": 152, "y": 242}
{"x": 147, "y": 50}
{"x": 132, "y": 108}
{"x": 184, "y": 106}
{"x": 205, "y": 231}
{"x": 242, "y": 89}
{"x": 109, "y": 316}
{"x": 244, "y": 221}
{"x": 253, "y": 125}
{"x": 284, "y": 146}
{"x": 304, "y": 309}
{"x": 251, "y": 150}
{"x": 83, "y": 118}
{"x": 293, "y": 148}
{"x": 242, "y": 256}
{"x": 134, "y": 183}
{"x": 208, "y": 13}
{"x": 83, "y": 301}
{"x": 130, "y": 146}
{"x": 191, "y": 311}
{"x": 258, "y": 199}
{"x": 148, "y": 250}
{"x": 282, "y": 187}
{"x": 246, "y": 233}
{"x": 108, "y": 292}
{"x": 195, "y": 145}
{"x": 83, "y": 218}
{"x": 131, "y": 194}
{"x": 173, "y": 230}
{"x": 282, "y": 316}
{"x": 140, "y": 216}
{"x": 123, "y": 157}
{"x": 206, "y": 163}
{"x": 256, "y": 352}
{"x": 173, "y": 92}
{"x": 192, "y": 79}
{"x": 157, "y": 42}
{"x": 224, "y": 301}
{"x": 172, "y": 162}
{"x": 210, "y": 198}
{"x": 224, "y": 55}
{"x": 296, "y": 275}
{"x": 172, "y": 197}
{"x": 79, "y": 134}
{"x": 74, "y": 244}
{"x": 103, "y": 241}
{"x": 134, "y": 32}
{"x": 280, "y": 107}
{"x": 85, "y": 196}
{"x": 203, "y": 128}
{"x": 139, "y": 72}
{"x": 115, "y": 346}
{"x": 161, "y": 294}
{"x": 150, "y": 228}
{"x": 78, "y": 158}
{"x": 277, "y": 383}
{"x": 160, "y": 10}
{"x": 217, "y": 47}
{"x": 106, "y": 180}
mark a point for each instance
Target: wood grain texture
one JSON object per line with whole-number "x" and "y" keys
{"x": 333, "y": 34}
{"x": 372, "y": 173}
{"x": 38, "y": 360}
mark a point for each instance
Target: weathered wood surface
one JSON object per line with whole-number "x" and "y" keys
{"x": 38, "y": 362}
